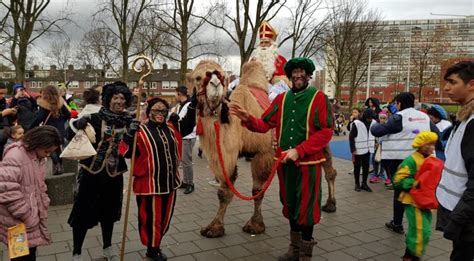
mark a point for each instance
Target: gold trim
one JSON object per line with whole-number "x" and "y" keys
{"x": 309, "y": 114}
{"x": 281, "y": 116}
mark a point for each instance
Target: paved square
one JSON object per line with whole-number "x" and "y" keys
{"x": 355, "y": 232}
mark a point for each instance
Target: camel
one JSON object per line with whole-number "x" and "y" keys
{"x": 235, "y": 140}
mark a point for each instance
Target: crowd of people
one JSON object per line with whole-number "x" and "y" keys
{"x": 410, "y": 150}
{"x": 398, "y": 140}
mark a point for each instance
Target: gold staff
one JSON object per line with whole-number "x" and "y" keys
{"x": 148, "y": 65}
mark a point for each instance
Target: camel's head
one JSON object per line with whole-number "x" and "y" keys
{"x": 208, "y": 79}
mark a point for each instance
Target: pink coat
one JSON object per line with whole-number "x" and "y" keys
{"x": 23, "y": 195}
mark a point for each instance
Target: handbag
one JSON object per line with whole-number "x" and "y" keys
{"x": 45, "y": 121}
{"x": 378, "y": 153}
{"x": 79, "y": 147}
{"x": 90, "y": 132}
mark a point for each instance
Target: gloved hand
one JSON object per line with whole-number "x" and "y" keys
{"x": 134, "y": 127}
{"x": 193, "y": 99}
{"x": 81, "y": 124}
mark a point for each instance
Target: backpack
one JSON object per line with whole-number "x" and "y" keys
{"x": 427, "y": 179}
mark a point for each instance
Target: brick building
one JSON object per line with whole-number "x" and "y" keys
{"x": 161, "y": 82}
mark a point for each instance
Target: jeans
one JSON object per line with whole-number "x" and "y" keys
{"x": 187, "y": 161}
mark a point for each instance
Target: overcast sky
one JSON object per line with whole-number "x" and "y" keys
{"x": 390, "y": 10}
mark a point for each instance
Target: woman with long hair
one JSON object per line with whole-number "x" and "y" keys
{"x": 53, "y": 112}
{"x": 23, "y": 197}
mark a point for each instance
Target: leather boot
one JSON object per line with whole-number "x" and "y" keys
{"x": 306, "y": 250}
{"x": 294, "y": 249}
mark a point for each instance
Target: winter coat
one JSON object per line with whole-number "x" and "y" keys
{"x": 59, "y": 122}
{"x": 23, "y": 197}
{"x": 26, "y": 110}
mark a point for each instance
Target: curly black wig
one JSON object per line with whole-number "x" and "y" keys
{"x": 109, "y": 90}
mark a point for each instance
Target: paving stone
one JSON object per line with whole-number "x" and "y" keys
{"x": 185, "y": 237}
{"x": 347, "y": 241}
{"x": 187, "y": 226}
{"x": 359, "y": 252}
{"x": 54, "y": 248}
{"x": 234, "y": 252}
{"x": 364, "y": 237}
{"x": 258, "y": 247}
{"x": 209, "y": 243}
{"x": 213, "y": 255}
{"x": 234, "y": 239}
{"x": 180, "y": 249}
{"x": 378, "y": 247}
{"x": 338, "y": 255}
{"x": 183, "y": 258}
{"x": 46, "y": 258}
{"x": 329, "y": 245}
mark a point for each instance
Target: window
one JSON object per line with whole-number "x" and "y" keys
{"x": 53, "y": 83}
{"x": 153, "y": 85}
{"x": 173, "y": 85}
{"x": 73, "y": 85}
{"x": 40, "y": 84}
{"x": 88, "y": 84}
{"x": 33, "y": 85}
{"x": 165, "y": 85}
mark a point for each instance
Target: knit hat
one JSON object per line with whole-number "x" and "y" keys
{"x": 16, "y": 87}
{"x": 423, "y": 138}
{"x": 383, "y": 114}
{"x": 299, "y": 62}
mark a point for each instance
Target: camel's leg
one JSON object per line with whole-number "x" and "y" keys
{"x": 216, "y": 227}
{"x": 261, "y": 166}
{"x": 330, "y": 175}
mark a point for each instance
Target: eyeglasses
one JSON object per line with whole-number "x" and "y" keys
{"x": 162, "y": 112}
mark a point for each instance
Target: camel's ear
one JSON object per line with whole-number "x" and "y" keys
{"x": 225, "y": 113}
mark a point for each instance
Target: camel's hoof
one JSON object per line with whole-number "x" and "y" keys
{"x": 253, "y": 227}
{"x": 330, "y": 207}
{"x": 212, "y": 231}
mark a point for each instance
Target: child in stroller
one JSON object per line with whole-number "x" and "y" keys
{"x": 339, "y": 124}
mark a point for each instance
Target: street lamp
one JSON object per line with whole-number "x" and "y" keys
{"x": 407, "y": 85}
{"x": 368, "y": 73}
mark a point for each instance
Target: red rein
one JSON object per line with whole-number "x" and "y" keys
{"x": 217, "y": 128}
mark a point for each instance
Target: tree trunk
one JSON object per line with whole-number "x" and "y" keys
{"x": 20, "y": 65}
{"x": 125, "y": 69}
{"x": 184, "y": 56}
{"x": 351, "y": 98}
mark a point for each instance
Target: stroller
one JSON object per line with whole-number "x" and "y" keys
{"x": 339, "y": 124}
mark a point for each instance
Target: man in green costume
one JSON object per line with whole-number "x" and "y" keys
{"x": 303, "y": 121}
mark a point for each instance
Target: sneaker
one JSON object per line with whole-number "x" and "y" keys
{"x": 77, "y": 258}
{"x": 214, "y": 183}
{"x": 395, "y": 228}
{"x": 375, "y": 180}
{"x": 365, "y": 187}
{"x": 110, "y": 255}
{"x": 189, "y": 189}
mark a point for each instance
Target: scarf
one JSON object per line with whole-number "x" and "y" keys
{"x": 111, "y": 118}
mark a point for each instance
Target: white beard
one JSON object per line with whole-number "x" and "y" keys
{"x": 267, "y": 56}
